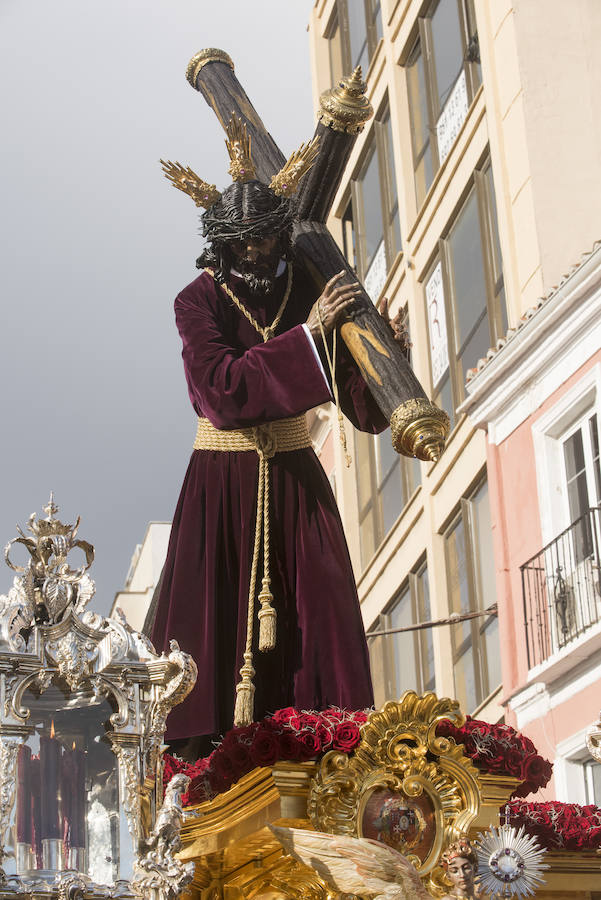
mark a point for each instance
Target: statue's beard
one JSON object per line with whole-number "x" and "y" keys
{"x": 260, "y": 275}
{"x": 259, "y": 284}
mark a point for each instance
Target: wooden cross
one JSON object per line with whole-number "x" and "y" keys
{"x": 418, "y": 427}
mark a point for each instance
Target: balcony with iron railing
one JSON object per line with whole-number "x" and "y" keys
{"x": 562, "y": 591}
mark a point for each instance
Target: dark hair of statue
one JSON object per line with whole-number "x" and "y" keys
{"x": 246, "y": 210}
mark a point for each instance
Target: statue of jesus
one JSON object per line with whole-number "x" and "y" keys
{"x": 258, "y": 585}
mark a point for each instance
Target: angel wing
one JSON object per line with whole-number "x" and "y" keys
{"x": 354, "y": 865}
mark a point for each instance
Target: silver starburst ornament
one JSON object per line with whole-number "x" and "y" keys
{"x": 510, "y": 862}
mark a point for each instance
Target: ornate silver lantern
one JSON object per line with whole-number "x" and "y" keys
{"x": 83, "y": 705}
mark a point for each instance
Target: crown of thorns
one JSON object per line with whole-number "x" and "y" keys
{"x": 238, "y": 142}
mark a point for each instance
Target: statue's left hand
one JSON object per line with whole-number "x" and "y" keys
{"x": 398, "y": 325}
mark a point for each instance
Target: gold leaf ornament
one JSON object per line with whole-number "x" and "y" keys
{"x": 238, "y": 143}
{"x": 286, "y": 182}
{"x": 186, "y": 180}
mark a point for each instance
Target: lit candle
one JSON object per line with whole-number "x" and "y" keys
{"x": 73, "y": 796}
{"x": 23, "y": 795}
{"x": 50, "y": 761}
{"x": 23, "y": 819}
{"x": 79, "y": 799}
{"x": 36, "y": 810}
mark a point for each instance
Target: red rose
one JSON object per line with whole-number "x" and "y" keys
{"x": 526, "y": 744}
{"x": 284, "y": 715}
{"x": 309, "y": 720}
{"x": 199, "y": 767}
{"x": 537, "y": 771}
{"x": 477, "y": 725}
{"x": 242, "y": 735}
{"x": 325, "y": 735}
{"x": 522, "y": 790}
{"x": 290, "y": 747}
{"x": 346, "y": 736}
{"x": 199, "y": 791}
{"x": 217, "y": 782}
{"x": 222, "y": 766}
{"x": 515, "y": 763}
{"x": 594, "y": 837}
{"x": 310, "y": 743}
{"x": 240, "y": 759}
{"x": 496, "y": 765}
{"x": 265, "y": 748}
{"x": 172, "y": 765}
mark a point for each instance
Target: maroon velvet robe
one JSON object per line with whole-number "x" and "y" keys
{"x": 236, "y": 381}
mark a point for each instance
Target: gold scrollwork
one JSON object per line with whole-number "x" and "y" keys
{"x": 401, "y": 753}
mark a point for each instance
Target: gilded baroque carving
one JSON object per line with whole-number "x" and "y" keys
{"x": 400, "y": 756}
{"x": 287, "y": 879}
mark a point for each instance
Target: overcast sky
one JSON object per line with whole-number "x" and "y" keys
{"x": 95, "y": 244}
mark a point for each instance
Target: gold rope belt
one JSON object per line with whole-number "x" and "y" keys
{"x": 275, "y": 437}
{"x": 265, "y": 440}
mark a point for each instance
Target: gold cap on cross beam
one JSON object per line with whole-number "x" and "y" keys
{"x": 202, "y": 58}
{"x": 345, "y": 107}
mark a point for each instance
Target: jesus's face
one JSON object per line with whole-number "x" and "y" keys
{"x": 257, "y": 261}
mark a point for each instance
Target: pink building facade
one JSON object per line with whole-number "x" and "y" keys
{"x": 538, "y": 397}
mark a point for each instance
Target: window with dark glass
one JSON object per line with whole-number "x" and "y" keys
{"x": 354, "y": 34}
{"x": 375, "y": 209}
{"x": 385, "y": 483}
{"x": 471, "y": 588}
{"x": 348, "y": 235}
{"x": 443, "y": 75}
{"x": 335, "y": 50}
{"x": 465, "y": 296}
{"x": 404, "y": 660}
{"x": 582, "y": 475}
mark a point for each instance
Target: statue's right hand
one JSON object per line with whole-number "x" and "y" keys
{"x": 332, "y": 305}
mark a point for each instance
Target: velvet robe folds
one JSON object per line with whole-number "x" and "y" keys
{"x": 236, "y": 381}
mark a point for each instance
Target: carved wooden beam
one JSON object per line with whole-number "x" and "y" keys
{"x": 418, "y": 427}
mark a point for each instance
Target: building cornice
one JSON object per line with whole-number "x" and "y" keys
{"x": 550, "y": 343}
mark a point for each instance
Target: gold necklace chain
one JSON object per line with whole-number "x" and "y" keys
{"x": 267, "y": 331}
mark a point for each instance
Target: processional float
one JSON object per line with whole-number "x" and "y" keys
{"x": 418, "y": 427}
{"x": 268, "y": 822}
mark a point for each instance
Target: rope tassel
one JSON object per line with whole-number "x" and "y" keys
{"x": 267, "y": 618}
{"x": 245, "y": 694}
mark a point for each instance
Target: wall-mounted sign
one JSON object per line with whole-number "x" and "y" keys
{"x": 376, "y": 274}
{"x": 437, "y": 325}
{"x": 452, "y": 118}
